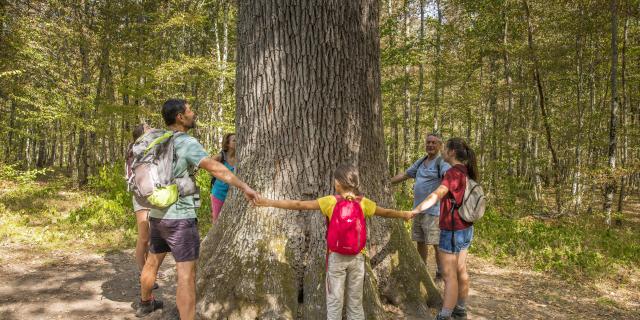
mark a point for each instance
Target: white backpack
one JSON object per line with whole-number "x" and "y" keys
{"x": 473, "y": 202}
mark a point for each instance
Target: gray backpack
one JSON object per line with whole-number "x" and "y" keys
{"x": 151, "y": 176}
{"x": 473, "y": 202}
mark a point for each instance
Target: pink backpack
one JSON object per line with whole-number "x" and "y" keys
{"x": 347, "y": 229}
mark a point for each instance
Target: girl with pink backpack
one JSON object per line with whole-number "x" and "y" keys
{"x": 346, "y": 238}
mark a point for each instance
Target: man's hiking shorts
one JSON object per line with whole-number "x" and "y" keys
{"x": 426, "y": 229}
{"x": 455, "y": 241}
{"x": 178, "y": 236}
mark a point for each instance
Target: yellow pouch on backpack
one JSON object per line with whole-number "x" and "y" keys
{"x": 164, "y": 196}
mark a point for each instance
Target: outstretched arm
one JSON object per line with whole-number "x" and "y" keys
{"x": 221, "y": 172}
{"x": 431, "y": 199}
{"x": 390, "y": 213}
{"x": 399, "y": 178}
{"x": 289, "y": 204}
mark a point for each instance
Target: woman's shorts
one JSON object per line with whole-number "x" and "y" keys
{"x": 455, "y": 241}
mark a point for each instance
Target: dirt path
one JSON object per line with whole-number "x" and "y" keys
{"x": 81, "y": 285}
{"x": 509, "y": 293}
{"x": 74, "y": 285}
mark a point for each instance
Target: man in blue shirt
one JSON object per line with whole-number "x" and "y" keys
{"x": 174, "y": 229}
{"x": 428, "y": 172}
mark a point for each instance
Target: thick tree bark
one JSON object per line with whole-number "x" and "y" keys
{"x": 308, "y": 98}
{"x": 610, "y": 185}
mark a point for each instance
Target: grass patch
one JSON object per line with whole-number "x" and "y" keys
{"x": 571, "y": 246}
{"x": 607, "y": 302}
{"x": 53, "y": 215}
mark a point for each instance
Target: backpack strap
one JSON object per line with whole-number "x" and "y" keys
{"x": 222, "y": 160}
{"x": 439, "y": 166}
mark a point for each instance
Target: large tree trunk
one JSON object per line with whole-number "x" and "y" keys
{"x": 308, "y": 98}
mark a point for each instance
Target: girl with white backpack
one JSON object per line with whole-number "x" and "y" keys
{"x": 461, "y": 202}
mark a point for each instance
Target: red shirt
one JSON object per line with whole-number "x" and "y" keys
{"x": 455, "y": 179}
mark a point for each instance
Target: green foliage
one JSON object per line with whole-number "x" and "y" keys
{"x": 52, "y": 216}
{"x": 23, "y": 177}
{"x": 203, "y": 179}
{"x": 571, "y": 247}
{"x": 111, "y": 184}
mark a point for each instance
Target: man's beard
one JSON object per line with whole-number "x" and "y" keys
{"x": 192, "y": 125}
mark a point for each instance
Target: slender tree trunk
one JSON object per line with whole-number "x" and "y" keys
{"x": 436, "y": 78}
{"x": 416, "y": 127}
{"x": 610, "y": 185}
{"x": 270, "y": 263}
{"x": 543, "y": 111}
{"x": 576, "y": 187}
{"x": 395, "y": 136}
{"x": 82, "y": 155}
{"x": 493, "y": 110}
{"x": 623, "y": 113}
{"x": 407, "y": 95}
{"x": 507, "y": 77}
{"x": 537, "y": 183}
{"x": 12, "y": 124}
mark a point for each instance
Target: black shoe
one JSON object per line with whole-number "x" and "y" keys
{"x": 459, "y": 313}
{"x": 441, "y": 317}
{"x": 145, "y": 308}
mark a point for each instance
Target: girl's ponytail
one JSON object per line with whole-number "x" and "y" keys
{"x": 472, "y": 164}
{"x": 466, "y": 155}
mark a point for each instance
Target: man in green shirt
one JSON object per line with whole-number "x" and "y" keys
{"x": 174, "y": 229}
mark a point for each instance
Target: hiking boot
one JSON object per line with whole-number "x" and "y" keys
{"x": 145, "y": 308}
{"x": 441, "y": 317}
{"x": 459, "y": 313}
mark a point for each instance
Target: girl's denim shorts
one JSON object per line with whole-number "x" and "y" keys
{"x": 455, "y": 241}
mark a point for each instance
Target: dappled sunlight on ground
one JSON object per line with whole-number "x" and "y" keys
{"x": 74, "y": 285}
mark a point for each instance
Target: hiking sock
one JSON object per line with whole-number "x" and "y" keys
{"x": 445, "y": 312}
{"x": 462, "y": 303}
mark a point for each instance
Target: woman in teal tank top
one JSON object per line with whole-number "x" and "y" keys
{"x": 219, "y": 189}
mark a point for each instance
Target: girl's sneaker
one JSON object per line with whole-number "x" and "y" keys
{"x": 459, "y": 313}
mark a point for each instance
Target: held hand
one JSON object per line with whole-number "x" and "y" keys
{"x": 408, "y": 215}
{"x": 251, "y": 195}
{"x": 261, "y": 202}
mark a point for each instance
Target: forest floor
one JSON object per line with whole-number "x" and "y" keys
{"x": 39, "y": 283}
